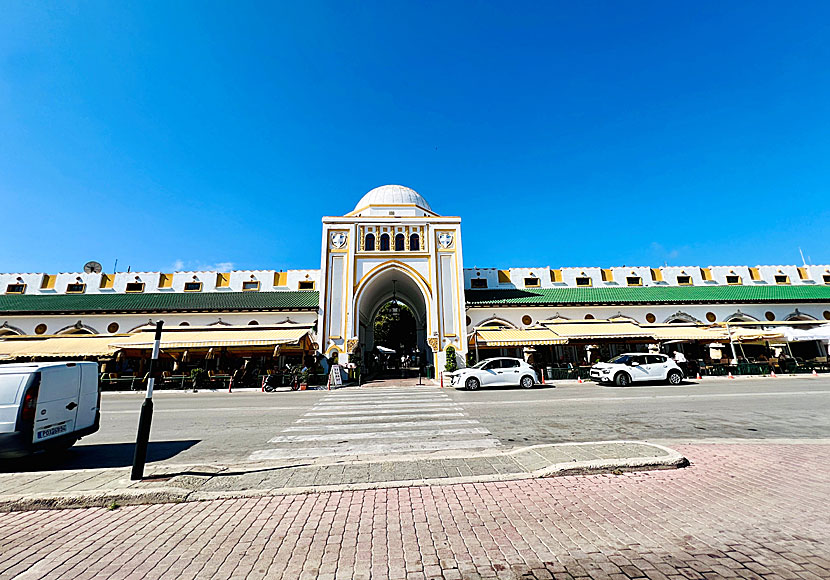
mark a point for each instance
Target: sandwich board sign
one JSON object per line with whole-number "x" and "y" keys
{"x": 335, "y": 377}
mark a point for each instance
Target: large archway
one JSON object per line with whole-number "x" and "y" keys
{"x": 374, "y": 303}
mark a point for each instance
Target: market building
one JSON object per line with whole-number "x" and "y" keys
{"x": 394, "y": 248}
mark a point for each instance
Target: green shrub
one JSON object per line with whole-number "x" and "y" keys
{"x": 451, "y": 364}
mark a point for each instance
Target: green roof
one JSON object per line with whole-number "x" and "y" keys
{"x": 161, "y": 302}
{"x": 648, "y": 295}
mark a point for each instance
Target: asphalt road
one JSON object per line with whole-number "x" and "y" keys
{"x": 218, "y": 427}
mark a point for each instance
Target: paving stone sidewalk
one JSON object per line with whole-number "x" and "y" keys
{"x": 97, "y": 487}
{"x": 739, "y": 511}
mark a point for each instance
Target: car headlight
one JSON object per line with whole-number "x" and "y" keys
{"x": 606, "y": 371}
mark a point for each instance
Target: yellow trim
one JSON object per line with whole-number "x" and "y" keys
{"x": 688, "y": 282}
{"x": 639, "y": 280}
{"x": 784, "y": 282}
{"x": 280, "y": 278}
{"x": 81, "y": 291}
{"x": 706, "y": 274}
{"x": 656, "y": 275}
{"x": 312, "y": 282}
{"x": 754, "y": 274}
{"x": 199, "y": 289}
{"x": 608, "y": 275}
{"x": 504, "y": 276}
{"x": 384, "y": 265}
{"x": 802, "y": 273}
{"x": 165, "y": 280}
{"x": 48, "y": 282}
{"x": 361, "y": 286}
{"x": 223, "y": 280}
{"x": 588, "y": 285}
{"x": 738, "y": 283}
{"x": 255, "y": 289}
{"x": 22, "y": 291}
{"x": 556, "y": 275}
{"x": 536, "y": 282}
{"x": 107, "y": 281}
{"x": 135, "y": 291}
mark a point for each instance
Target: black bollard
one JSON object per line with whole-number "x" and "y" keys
{"x": 145, "y": 419}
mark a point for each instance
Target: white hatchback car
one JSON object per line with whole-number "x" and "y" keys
{"x": 636, "y": 367}
{"x": 496, "y": 371}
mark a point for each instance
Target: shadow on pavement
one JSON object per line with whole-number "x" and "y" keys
{"x": 95, "y": 456}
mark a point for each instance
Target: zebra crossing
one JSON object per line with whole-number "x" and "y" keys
{"x": 379, "y": 421}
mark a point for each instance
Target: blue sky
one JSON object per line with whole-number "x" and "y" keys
{"x": 565, "y": 134}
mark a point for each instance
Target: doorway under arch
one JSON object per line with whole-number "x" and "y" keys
{"x": 374, "y": 303}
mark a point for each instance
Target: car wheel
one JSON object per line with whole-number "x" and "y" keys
{"x": 526, "y": 382}
{"x": 622, "y": 379}
{"x": 472, "y": 384}
{"x": 674, "y": 378}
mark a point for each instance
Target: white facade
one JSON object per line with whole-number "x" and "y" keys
{"x": 393, "y": 242}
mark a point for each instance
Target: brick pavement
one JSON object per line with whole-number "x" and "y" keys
{"x": 740, "y": 511}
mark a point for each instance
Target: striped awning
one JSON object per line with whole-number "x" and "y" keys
{"x": 515, "y": 337}
{"x": 217, "y": 338}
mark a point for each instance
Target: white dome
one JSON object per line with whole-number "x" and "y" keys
{"x": 393, "y": 195}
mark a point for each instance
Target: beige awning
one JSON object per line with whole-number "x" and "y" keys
{"x": 754, "y": 335}
{"x": 216, "y": 338}
{"x": 683, "y": 332}
{"x": 590, "y": 329}
{"x": 58, "y": 347}
{"x": 514, "y": 337}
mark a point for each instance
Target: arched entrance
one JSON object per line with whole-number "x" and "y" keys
{"x": 393, "y": 304}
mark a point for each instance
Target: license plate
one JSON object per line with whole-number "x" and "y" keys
{"x": 51, "y": 431}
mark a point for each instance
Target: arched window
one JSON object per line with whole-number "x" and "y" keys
{"x": 384, "y": 242}
{"x": 414, "y": 242}
{"x": 399, "y": 243}
{"x": 369, "y": 243}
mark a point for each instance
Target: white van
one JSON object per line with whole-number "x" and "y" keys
{"x": 47, "y": 405}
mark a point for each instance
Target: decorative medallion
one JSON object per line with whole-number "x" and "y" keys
{"x": 445, "y": 239}
{"x": 351, "y": 345}
{"x": 433, "y": 344}
{"x": 338, "y": 239}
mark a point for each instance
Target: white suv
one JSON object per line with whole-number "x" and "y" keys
{"x": 635, "y": 367}
{"x": 496, "y": 371}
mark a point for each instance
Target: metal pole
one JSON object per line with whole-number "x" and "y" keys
{"x": 475, "y": 338}
{"x": 145, "y": 419}
{"x": 732, "y": 344}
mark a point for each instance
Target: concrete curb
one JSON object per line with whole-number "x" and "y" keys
{"x": 171, "y": 493}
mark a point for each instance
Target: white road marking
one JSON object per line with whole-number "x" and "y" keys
{"x": 382, "y": 405}
{"x": 380, "y": 435}
{"x": 394, "y": 424}
{"x": 363, "y": 411}
{"x": 374, "y": 417}
{"x": 372, "y": 449}
{"x": 379, "y": 423}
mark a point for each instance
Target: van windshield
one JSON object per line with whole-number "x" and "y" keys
{"x": 9, "y": 386}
